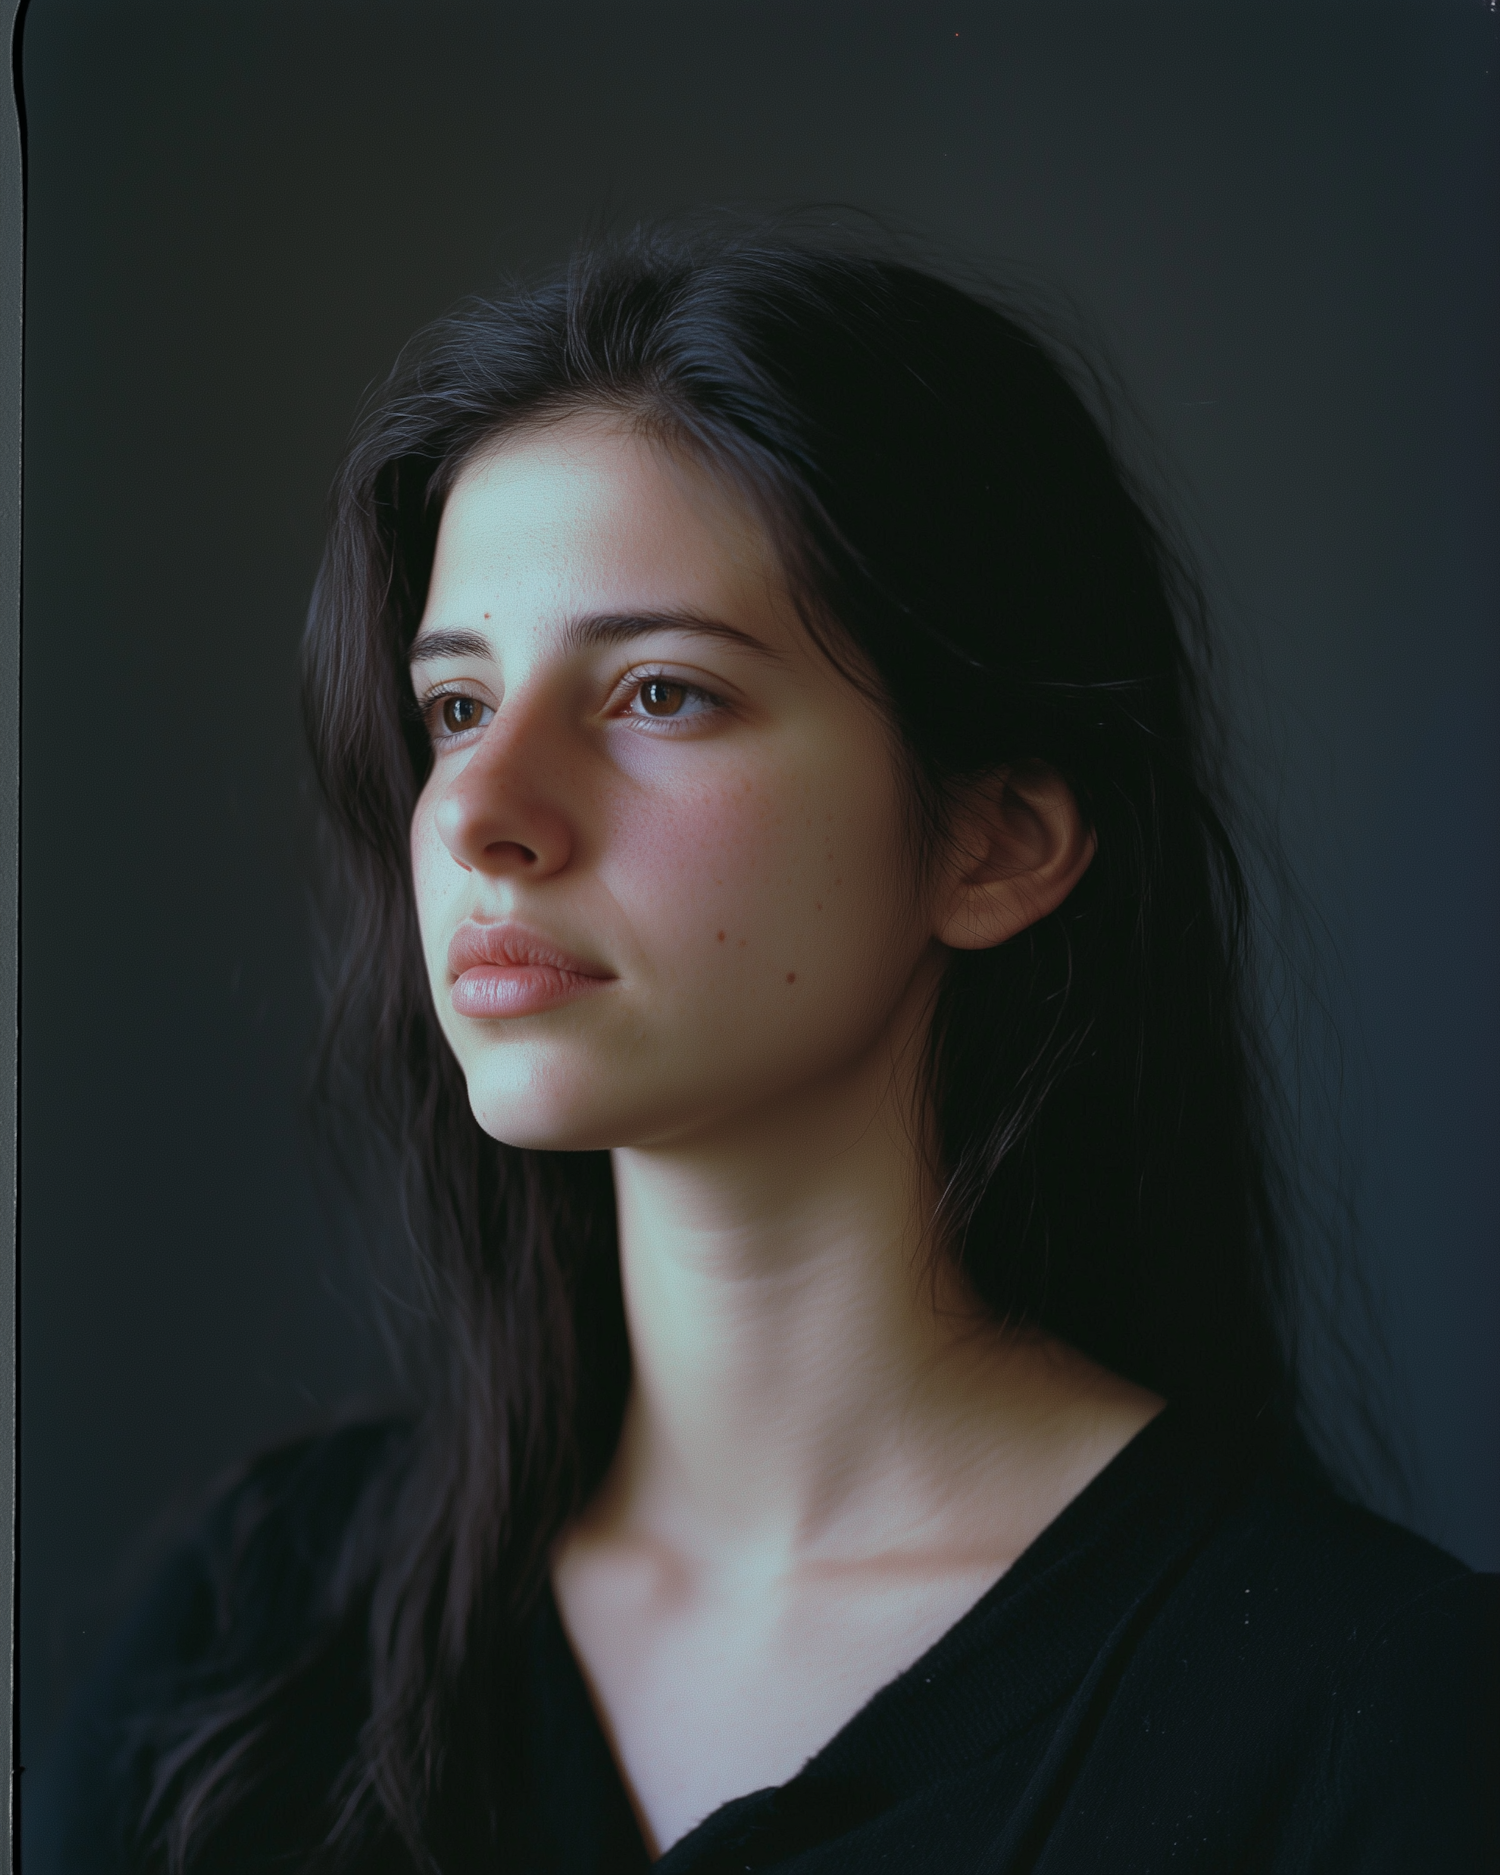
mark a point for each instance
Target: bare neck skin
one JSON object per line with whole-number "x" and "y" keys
{"x": 807, "y": 1382}
{"x": 828, "y": 1456}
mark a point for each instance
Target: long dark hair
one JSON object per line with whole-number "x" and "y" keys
{"x": 950, "y": 511}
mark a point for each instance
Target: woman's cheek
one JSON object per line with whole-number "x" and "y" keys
{"x": 767, "y": 898}
{"x": 706, "y": 871}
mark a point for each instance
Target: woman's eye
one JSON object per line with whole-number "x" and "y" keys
{"x": 659, "y": 698}
{"x": 665, "y": 697}
{"x": 455, "y": 715}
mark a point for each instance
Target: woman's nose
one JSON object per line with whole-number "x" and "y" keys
{"x": 495, "y": 816}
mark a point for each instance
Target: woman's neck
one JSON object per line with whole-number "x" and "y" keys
{"x": 810, "y": 1379}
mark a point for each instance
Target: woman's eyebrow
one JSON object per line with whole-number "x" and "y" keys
{"x": 612, "y": 628}
{"x": 449, "y": 644}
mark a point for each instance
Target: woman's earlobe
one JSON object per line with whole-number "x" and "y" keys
{"x": 1021, "y": 846}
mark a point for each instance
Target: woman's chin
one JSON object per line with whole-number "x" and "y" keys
{"x": 541, "y": 1130}
{"x": 594, "y": 1116}
{"x": 557, "y": 1115}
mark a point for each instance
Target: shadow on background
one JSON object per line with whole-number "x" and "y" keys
{"x": 1281, "y": 220}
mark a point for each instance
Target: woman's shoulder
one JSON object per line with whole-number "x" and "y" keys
{"x": 1330, "y": 1670}
{"x": 1282, "y": 1576}
{"x": 283, "y": 1521}
{"x": 271, "y": 1567}
{"x": 1325, "y": 1566}
{"x": 277, "y": 1553}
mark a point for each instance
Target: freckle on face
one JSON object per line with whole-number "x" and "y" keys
{"x": 791, "y": 976}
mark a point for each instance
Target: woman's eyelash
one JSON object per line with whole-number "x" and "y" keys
{"x": 423, "y": 703}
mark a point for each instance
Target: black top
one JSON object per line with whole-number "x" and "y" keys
{"x": 1204, "y": 1663}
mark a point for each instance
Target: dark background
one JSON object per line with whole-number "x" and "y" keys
{"x": 1281, "y": 219}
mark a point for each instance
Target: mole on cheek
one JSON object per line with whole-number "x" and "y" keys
{"x": 721, "y": 937}
{"x": 791, "y": 976}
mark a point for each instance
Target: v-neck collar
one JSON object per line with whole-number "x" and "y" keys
{"x": 1030, "y": 1639}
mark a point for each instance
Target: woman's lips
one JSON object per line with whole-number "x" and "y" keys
{"x": 504, "y": 970}
{"x": 517, "y": 990}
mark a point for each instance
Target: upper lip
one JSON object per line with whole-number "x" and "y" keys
{"x": 514, "y": 946}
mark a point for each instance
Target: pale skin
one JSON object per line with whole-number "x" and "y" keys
{"x": 829, "y": 1454}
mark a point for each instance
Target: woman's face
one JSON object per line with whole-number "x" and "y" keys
{"x": 662, "y": 863}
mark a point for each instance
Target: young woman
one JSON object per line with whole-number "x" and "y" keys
{"x": 797, "y": 968}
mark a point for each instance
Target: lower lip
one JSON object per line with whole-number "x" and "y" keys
{"x": 489, "y": 991}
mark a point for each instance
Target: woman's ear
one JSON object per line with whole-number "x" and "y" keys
{"x": 1020, "y": 845}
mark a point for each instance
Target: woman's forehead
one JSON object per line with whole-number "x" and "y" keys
{"x": 587, "y": 514}
{"x": 586, "y": 483}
